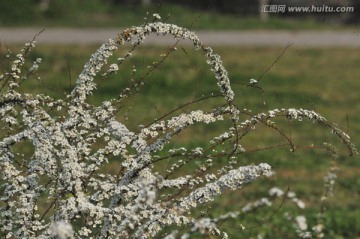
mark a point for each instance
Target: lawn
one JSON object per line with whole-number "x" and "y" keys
{"x": 325, "y": 80}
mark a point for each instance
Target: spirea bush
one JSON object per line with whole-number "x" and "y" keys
{"x": 54, "y": 154}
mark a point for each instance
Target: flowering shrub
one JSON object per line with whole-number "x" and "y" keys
{"x": 60, "y": 188}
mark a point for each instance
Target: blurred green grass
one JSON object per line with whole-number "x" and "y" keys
{"x": 96, "y": 13}
{"x": 326, "y": 80}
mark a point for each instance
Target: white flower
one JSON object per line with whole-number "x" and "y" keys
{"x": 299, "y": 203}
{"x": 157, "y": 16}
{"x": 276, "y": 192}
{"x": 253, "y": 81}
{"x": 301, "y": 223}
{"x": 113, "y": 68}
{"x": 62, "y": 230}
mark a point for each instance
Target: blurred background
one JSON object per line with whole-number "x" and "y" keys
{"x": 215, "y": 14}
{"x": 316, "y": 76}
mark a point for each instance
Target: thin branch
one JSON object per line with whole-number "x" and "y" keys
{"x": 259, "y": 78}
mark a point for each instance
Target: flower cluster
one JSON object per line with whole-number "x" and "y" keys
{"x": 84, "y": 174}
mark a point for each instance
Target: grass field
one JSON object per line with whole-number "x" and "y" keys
{"x": 326, "y": 80}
